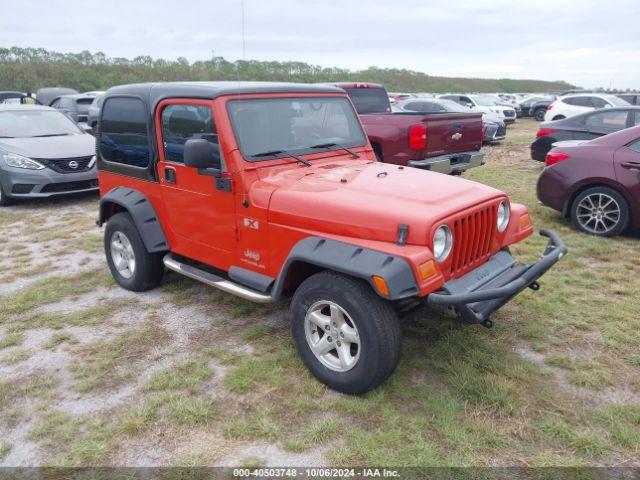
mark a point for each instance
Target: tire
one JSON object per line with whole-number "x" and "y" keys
{"x": 376, "y": 351}
{"x": 558, "y": 117}
{"x": 539, "y": 114}
{"x": 4, "y": 200}
{"x": 600, "y": 211}
{"x": 147, "y": 269}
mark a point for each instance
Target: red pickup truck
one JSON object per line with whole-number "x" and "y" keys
{"x": 441, "y": 142}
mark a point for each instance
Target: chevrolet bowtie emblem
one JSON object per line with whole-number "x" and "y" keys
{"x": 456, "y": 136}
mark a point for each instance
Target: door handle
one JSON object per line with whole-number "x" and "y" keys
{"x": 169, "y": 174}
{"x": 631, "y": 165}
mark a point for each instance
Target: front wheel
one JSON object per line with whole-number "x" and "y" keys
{"x": 4, "y": 200}
{"x": 600, "y": 211}
{"x": 132, "y": 267}
{"x": 347, "y": 336}
{"x": 539, "y": 114}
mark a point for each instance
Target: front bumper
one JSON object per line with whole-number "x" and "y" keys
{"x": 454, "y": 163}
{"x": 494, "y": 132}
{"x": 19, "y": 183}
{"x": 475, "y": 296}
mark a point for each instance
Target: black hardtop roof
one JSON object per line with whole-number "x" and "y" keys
{"x": 155, "y": 92}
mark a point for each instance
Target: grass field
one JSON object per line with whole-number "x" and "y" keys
{"x": 183, "y": 375}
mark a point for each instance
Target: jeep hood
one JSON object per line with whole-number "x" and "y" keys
{"x": 369, "y": 199}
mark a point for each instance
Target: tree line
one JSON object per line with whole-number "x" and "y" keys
{"x": 27, "y": 69}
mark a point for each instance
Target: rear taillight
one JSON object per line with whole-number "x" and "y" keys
{"x": 550, "y": 106}
{"x": 544, "y": 131}
{"x": 555, "y": 157}
{"x": 417, "y": 137}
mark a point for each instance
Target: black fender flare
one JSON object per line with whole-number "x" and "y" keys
{"x": 142, "y": 212}
{"x": 352, "y": 260}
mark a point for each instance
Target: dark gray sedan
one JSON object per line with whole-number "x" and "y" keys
{"x": 43, "y": 153}
{"x": 76, "y": 107}
{"x": 586, "y": 126}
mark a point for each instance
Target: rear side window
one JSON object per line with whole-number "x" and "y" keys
{"x": 598, "y": 102}
{"x": 612, "y": 121}
{"x": 184, "y": 122}
{"x": 578, "y": 101}
{"x": 369, "y": 100}
{"x": 123, "y": 132}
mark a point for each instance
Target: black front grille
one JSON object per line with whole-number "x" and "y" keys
{"x": 509, "y": 113}
{"x": 67, "y": 165}
{"x": 69, "y": 186}
{"x": 502, "y": 131}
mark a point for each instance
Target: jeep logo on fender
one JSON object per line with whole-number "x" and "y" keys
{"x": 456, "y": 136}
{"x": 73, "y": 164}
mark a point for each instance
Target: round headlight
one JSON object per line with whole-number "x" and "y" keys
{"x": 503, "y": 216}
{"x": 442, "y": 243}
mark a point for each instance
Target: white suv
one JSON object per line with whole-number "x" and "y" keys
{"x": 570, "y": 105}
{"x": 484, "y": 104}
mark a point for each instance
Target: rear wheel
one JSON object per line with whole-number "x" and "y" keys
{"x": 559, "y": 117}
{"x": 600, "y": 211}
{"x": 347, "y": 336}
{"x": 539, "y": 114}
{"x": 132, "y": 267}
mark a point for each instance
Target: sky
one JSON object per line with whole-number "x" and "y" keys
{"x": 585, "y": 42}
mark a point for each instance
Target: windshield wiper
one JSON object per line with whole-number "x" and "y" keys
{"x": 331, "y": 144}
{"x": 3, "y": 136}
{"x": 270, "y": 153}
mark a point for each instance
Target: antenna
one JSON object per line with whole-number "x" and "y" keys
{"x": 243, "y": 40}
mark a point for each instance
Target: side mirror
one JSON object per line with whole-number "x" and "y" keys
{"x": 201, "y": 154}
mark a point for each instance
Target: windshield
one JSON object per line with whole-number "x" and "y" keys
{"x": 369, "y": 100}
{"x": 617, "y": 101}
{"x": 484, "y": 101}
{"x": 35, "y": 123}
{"x": 274, "y": 127}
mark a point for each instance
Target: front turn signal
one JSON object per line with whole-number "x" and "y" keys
{"x": 381, "y": 285}
{"x": 524, "y": 222}
{"x": 427, "y": 269}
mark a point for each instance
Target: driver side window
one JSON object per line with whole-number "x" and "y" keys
{"x": 184, "y": 122}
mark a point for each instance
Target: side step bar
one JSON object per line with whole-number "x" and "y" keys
{"x": 215, "y": 281}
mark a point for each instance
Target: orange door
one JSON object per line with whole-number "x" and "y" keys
{"x": 201, "y": 216}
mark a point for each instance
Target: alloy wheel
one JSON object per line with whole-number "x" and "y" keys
{"x": 122, "y": 254}
{"x": 598, "y": 213}
{"x": 332, "y": 336}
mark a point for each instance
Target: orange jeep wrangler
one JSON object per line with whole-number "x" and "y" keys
{"x": 271, "y": 190}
